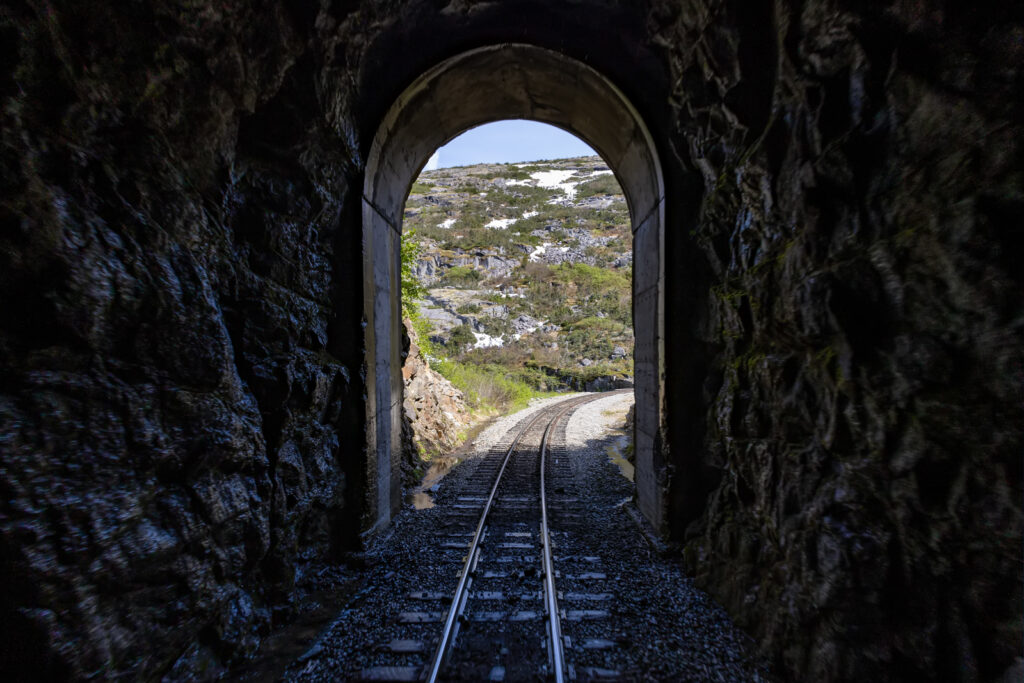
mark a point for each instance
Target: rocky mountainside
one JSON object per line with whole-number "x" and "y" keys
{"x": 527, "y": 265}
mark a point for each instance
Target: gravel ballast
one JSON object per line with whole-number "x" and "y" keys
{"x": 627, "y": 610}
{"x": 497, "y": 430}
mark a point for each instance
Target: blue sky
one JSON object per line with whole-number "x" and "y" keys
{"x": 509, "y": 141}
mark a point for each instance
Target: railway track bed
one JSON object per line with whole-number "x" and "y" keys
{"x": 461, "y": 591}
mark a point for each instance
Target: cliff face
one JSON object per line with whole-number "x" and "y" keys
{"x": 181, "y": 418}
{"x": 180, "y": 409}
{"x": 864, "y": 328}
{"x": 435, "y": 411}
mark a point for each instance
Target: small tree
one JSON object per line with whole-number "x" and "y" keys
{"x": 462, "y": 337}
{"x": 411, "y": 287}
{"x": 462, "y": 276}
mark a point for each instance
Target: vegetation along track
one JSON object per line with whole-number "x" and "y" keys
{"x": 503, "y": 621}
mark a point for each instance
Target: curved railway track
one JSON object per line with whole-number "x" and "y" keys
{"x": 503, "y": 621}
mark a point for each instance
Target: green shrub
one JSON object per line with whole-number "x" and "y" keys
{"x": 591, "y": 279}
{"x": 496, "y": 327}
{"x": 586, "y": 344}
{"x": 597, "y": 324}
{"x": 461, "y": 338}
{"x": 424, "y": 329}
{"x": 509, "y": 170}
{"x": 602, "y": 185}
{"x": 461, "y": 276}
{"x": 411, "y": 289}
{"x": 490, "y": 387}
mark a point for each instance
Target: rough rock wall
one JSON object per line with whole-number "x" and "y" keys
{"x": 857, "y": 503}
{"x": 177, "y": 409}
{"x": 434, "y": 410}
{"x": 180, "y": 344}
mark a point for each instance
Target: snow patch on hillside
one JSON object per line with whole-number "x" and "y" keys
{"x": 539, "y": 251}
{"x": 485, "y": 341}
{"x": 501, "y": 223}
{"x": 552, "y": 180}
{"x": 527, "y": 329}
{"x": 446, "y": 223}
{"x": 508, "y": 294}
{"x": 557, "y": 180}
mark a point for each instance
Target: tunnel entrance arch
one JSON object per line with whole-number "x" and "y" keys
{"x": 506, "y": 81}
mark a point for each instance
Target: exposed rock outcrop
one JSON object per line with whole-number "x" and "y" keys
{"x": 493, "y": 263}
{"x": 180, "y": 411}
{"x": 434, "y": 409}
{"x": 858, "y": 501}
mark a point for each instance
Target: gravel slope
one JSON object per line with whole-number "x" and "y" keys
{"x": 596, "y": 420}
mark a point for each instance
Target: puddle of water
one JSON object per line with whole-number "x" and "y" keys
{"x": 421, "y": 497}
{"x": 617, "y": 454}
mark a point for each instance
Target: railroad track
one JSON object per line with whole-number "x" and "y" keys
{"x": 503, "y": 621}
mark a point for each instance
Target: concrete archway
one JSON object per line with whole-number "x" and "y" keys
{"x": 501, "y": 82}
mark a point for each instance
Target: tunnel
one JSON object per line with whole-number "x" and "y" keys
{"x": 506, "y": 81}
{"x": 199, "y": 339}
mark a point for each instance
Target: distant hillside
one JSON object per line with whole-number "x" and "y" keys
{"x": 526, "y": 267}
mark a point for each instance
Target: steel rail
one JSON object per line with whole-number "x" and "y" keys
{"x": 556, "y": 644}
{"x": 461, "y": 590}
{"x": 473, "y": 555}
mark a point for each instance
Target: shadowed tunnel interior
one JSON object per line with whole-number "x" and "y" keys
{"x": 198, "y": 260}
